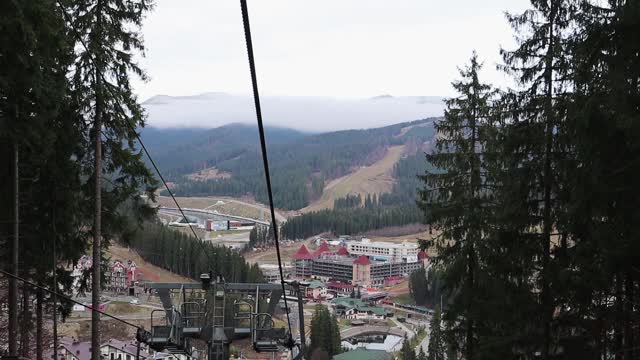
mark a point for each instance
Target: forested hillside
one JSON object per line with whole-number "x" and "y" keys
{"x": 185, "y": 255}
{"x": 355, "y": 214}
{"x": 300, "y": 164}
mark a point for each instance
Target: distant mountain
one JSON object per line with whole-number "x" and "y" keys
{"x": 179, "y": 151}
{"x": 226, "y": 160}
{"x": 307, "y": 113}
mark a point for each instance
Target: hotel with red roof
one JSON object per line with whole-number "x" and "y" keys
{"x": 361, "y": 263}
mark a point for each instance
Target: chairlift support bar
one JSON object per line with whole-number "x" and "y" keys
{"x": 248, "y": 287}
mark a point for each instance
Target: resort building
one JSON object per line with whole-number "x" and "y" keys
{"x": 370, "y": 264}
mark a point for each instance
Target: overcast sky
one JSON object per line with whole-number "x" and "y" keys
{"x": 335, "y": 48}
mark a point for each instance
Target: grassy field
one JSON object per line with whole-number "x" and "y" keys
{"x": 124, "y": 308}
{"x": 400, "y": 239}
{"x": 147, "y": 270}
{"x": 403, "y": 299}
{"x": 375, "y": 178}
{"x": 225, "y": 205}
{"x": 214, "y": 234}
{"x": 209, "y": 174}
{"x": 269, "y": 256}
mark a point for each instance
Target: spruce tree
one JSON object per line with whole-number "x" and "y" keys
{"x": 533, "y": 147}
{"x": 436, "y": 350}
{"x": 37, "y": 117}
{"x": 109, "y": 38}
{"x": 407, "y": 352}
{"x": 421, "y": 355}
{"x": 456, "y": 199}
{"x": 604, "y": 133}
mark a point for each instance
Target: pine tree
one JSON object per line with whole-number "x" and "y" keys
{"x": 533, "y": 147}
{"x": 407, "y": 352}
{"x": 37, "y": 119}
{"x": 603, "y": 130}
{"x": 436, "y": 350}
{"x": 421, "y": 355}
{"x": 109, "y": 30}
{"x": 325, "y": 333}
{"x": 456, "y": 198}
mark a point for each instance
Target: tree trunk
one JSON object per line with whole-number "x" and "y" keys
{"x": 55, "y": 297}
{"x": 618, "y": 319}
{"x": 97, "y": 223}
{"x": 13, "y": 283}
{"x": 26, "y": 324}
{"x": 629, "y": 343}
{"x": 547, "y": 303}
{"x": 39, "y": 300}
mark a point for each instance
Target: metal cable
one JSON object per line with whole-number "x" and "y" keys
{"x": 263, "y": 145}
{"x": 133, "y": 129}
{"x": 55, "y": 293}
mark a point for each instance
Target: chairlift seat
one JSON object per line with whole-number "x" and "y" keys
{"x": 265, "y": 346}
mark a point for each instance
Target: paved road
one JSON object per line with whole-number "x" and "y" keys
{"x": 410, "y": 333}
{"x": 424, "y": 344}
{"x": 365, "y": 329}
{"x": 420, "y": 315}
{"x": 208, "y": 214}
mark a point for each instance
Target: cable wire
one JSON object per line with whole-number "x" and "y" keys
{"x": 133, "y": 129}
{"x": 57, "y": 294}
{"x": 263, "y": 145}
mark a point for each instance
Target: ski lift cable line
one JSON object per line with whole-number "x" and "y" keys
{"x": 57, "y": 294}
{"x": 133, "y": 129}
{"x": 263, "y": 146}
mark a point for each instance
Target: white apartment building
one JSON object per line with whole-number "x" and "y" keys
{"x": 403, "y": 252}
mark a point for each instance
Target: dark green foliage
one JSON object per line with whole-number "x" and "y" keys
{"x": 457, "y": 198}
{"x": 436, "y": 349}
{"x": 533, "y": 147}
{"x": 47, "y": 105}
{"x": 37, "y": 119}
{"x": 351, "y": 201}
{"x": 556, "y": 239}
{"x": 426, "y": 287}
{"x": 325, "y": 334}
{"x": 320, "y": 354}
{"x": 111, "y": 47}
{"x": 185, "y": 255}
{"x": 260, "y": 236}
{"x": 601, "y": 280}
{"x": 407, "y": 352}
{"x": 349, "y": 221}
{"x": 300, "y": 166}
{"x": 421, "y": 355}
{"x": 350, "y": 215}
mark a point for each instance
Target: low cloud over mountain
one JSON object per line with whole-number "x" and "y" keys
{"x": 211, "y": 110}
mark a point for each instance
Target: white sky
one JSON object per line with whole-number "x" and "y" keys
{"x": 337, "y": 48}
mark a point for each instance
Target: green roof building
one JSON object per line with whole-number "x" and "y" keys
{"x": 362, "y": 354}
{"x": 351, "y": 308}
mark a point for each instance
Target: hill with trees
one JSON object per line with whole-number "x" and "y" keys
{"x": 302, "y": 164}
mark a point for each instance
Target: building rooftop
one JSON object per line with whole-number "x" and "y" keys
{"x": 315, "y": 284}
{"x": 362, "y": 260}
{"x": 383, "y": 244}
{"x": 364, "y": 355}
{"x": 322, "y": 249}
{"x": 334, "y": 259}
{"x": 339, "y": 285}
{"x": 125, "y": 346}
{"x": 342, "y": 251}
{"x": 303, "y": 254}
{"x": 358, "y": 304}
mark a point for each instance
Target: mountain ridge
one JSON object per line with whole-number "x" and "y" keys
{"x": 305, "y": 113}
{"x": 301, "y": 163}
